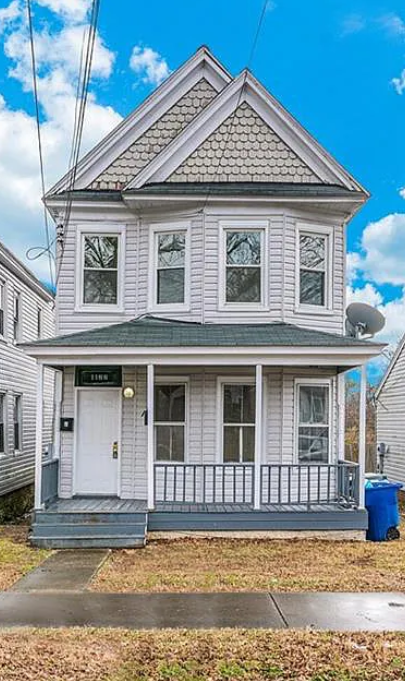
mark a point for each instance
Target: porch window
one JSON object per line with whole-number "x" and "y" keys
{"x": 243, "y": 269}
{"x": 238, "y": 423}
{"x": 170, "y": 421}
{"x": 17, "y": 422}
{"x": 171, "y": 265}
{"x": 313, "y": 423}
{"x": 100, "y": 269}
{"x": 2, "y": 422}
{"x": 313, "y": 258}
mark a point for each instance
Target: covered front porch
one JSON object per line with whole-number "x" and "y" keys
{"x": 204, "y": 437}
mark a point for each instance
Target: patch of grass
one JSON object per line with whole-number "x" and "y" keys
{"x": 16, "y": 557}
{"x": 255, "y": 565}
{"x": 224, "y": 655}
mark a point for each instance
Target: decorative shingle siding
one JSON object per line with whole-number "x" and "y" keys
{"x": 242, "y": 149}
{"x": 156, "y": 138}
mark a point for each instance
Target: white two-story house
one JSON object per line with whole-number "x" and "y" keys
{"x": 26, "y": 315}
{"x": 200, "y": 322}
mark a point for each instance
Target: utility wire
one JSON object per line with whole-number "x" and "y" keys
{"x": 48, "y": 247}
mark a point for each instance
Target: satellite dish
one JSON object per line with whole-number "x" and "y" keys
{"x": 363, "y": 320}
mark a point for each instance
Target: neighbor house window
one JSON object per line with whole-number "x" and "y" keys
{"x": 243, "y": 266}
{"x": 100, "y": 269}
{"x": 313, "y": 423}
{"x": 313, "y": 265}
{"x": 39, "y": 323}
{"x": 2, "y": 422}
{"x": 238, "y": 423}
{"x": 2, "y": 301}
{"x": 170, "y": 421}
{"x": 17, "y": 316}
{"x": 17, "y": 422}
{"x": 171, "y": 267}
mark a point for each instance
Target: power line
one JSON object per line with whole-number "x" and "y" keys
{"x": 38, "y": 127}
{"x": 259, "y": 28}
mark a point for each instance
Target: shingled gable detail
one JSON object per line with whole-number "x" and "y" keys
{"x": 242, "y": 149}
{"x": 156, "y": 138}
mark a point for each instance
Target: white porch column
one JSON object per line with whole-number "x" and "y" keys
{"x": 362, "y": 433}
{"x": 38, "y": 435}
{"x": 341, "y": 397}
{"x": 258, "y": 434}
{"x": 151, "y": 434}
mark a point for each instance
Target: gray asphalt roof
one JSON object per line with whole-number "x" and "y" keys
{"x": 155, "y": 332}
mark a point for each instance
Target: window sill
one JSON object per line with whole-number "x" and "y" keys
{"x": 105, "y": 309}
{"x": 168, "y": 308}
{"x": 246, "y": 307}
{"x": 324, "y": 311}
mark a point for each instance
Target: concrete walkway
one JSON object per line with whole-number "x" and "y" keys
{"x": 63, "y": 571}
{"x": 337, "y": 611}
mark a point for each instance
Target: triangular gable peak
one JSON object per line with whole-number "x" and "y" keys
{"x": 152, "y": 126}
{"x": 245, "y": 135}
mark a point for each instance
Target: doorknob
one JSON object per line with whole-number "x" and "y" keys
{"x": 115, "y": 450}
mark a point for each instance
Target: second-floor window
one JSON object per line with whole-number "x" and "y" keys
{"x": 17, "y": 317}
{"x": 313, "y": 269}
{"x": 17, "y": 422}
{"x": 2, "y": 315}
{"x": 100, "y": 269}
{"x": 242, "y": 265}
{"x": 2, "y": 423}
{"x": 171, "y": 267}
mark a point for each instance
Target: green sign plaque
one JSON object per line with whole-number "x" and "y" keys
{"x": 102, "y": 377}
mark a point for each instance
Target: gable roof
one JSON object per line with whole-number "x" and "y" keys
{"x": 155, "y": 332}
{"x": 201, "y": 66}
{"x": 23, "y": 273}
{"x": 297, "y": 144}
{"x": 400, "y": 347}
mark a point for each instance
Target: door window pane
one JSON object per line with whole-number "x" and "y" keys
{"x": 313, "y": 265}
{"x": 100, "y": 279}
{"x": 243, "y": 266}
{"x": 171, "y": 258}
{"x": 169, "y": 403}
{"x": 170, "y": 443}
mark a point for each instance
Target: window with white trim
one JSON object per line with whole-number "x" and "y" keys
{"x": 39, "y": 323}
{"x": 17, "y": 418}
{"x": 170, "y": 267}
{"x": 2, "y": 314}
{"x": 100, "y": 269}
{"x": 238, "y": 422}
{"x": 313, "y": 404}
{"x": 170, "y": 421}
{"x": 313, "y": 269}
{"x": 17, "y": 317}
{"x": 2, "y": 423}
{"x": 243, "y": 266}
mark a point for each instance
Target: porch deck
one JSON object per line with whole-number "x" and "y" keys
{"x": 180, "y": 507}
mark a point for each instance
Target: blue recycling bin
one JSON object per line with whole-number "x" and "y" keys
{"x": 382, "y": 506}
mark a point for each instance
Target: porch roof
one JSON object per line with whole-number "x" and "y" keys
{"x": 148, "y": 338}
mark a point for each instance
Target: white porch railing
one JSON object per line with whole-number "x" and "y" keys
{"x": 284, "y": 484}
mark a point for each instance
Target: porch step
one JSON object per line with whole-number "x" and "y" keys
{"x": 79, "y": 542}
{"x": 73, "y": 529}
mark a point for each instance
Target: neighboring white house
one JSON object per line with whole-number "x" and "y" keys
{"x": 390, "y": 401}
{"x": 26, "y": 315}
{"x": 200, "y": 320}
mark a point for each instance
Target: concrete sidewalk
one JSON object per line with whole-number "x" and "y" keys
{"x": 336, "y": 611}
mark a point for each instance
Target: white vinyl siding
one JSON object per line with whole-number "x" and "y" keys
{"x": 18, "y": 376}
{"x": 391, "y": 420}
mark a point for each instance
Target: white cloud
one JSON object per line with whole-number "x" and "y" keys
{"x": 10, "y": 13}
{"x": 382, "y": 255}
{"x": 402, "y": 192}
{"x": 58, "y": 54}
{"x": 353, "y": 23}
{"x": 393, "y": 24}
{"x": 399, "y": 83}
{"x": 149, "y": 65}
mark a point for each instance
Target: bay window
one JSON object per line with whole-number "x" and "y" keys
{"x": 313, "y": 256}
{"x": 100, "y": 269}
{"x": 313, "y": 431}
{"x": 170, "y": 267}
{"x": 238, "y": 422}
{"x": 170, "y": 421}
{"x": 243, "y": 266}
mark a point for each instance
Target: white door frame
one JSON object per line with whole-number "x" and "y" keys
{"x": 77, "y": 389}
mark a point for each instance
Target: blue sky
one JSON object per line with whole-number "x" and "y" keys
{"x": 335, "y": 64}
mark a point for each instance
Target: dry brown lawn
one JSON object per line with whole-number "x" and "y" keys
{"x": 226, "y": 655}
{"x": 16, "y": 557}
{"x": 255, "y": 565}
